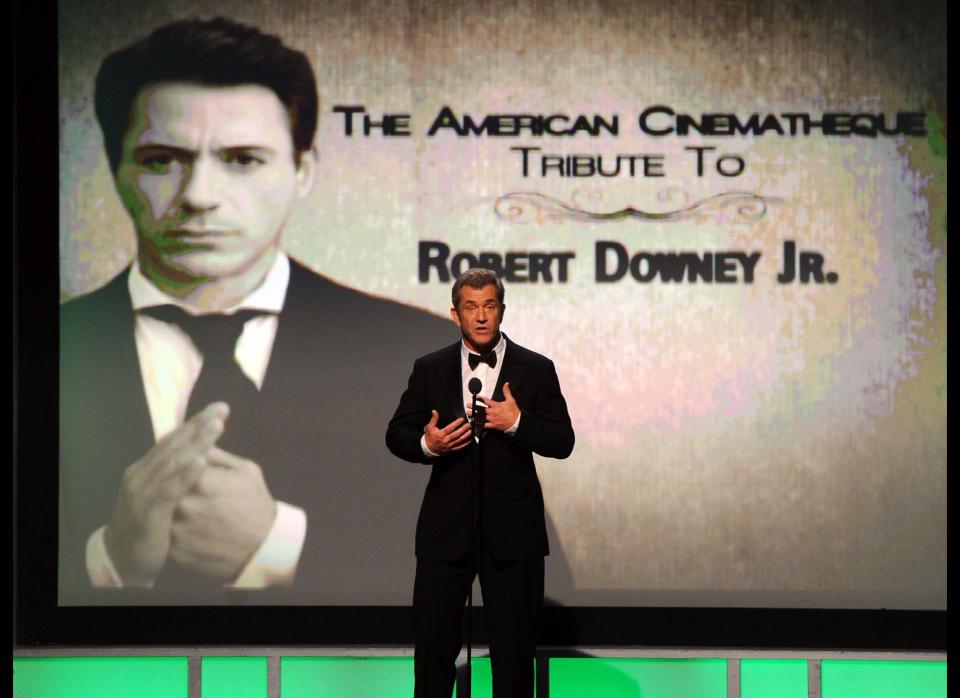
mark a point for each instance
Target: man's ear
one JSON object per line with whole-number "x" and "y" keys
{"x": 456, "y": 318}
{"x": 306, "y": 170}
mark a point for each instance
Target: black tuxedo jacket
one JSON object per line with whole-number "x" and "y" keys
{"x": 332, "y": 374}
{"x": 508, "y": 502}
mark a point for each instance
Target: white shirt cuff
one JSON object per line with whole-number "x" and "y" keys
{"x": 100, "y": 569}
{"x": 516, "y": 425}
{"x": 275, "y": 563}
{"x": 423, "y": 447}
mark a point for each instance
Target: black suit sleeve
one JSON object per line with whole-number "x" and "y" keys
{"x": 545, "y": 426}
{"x": 406, "y": 427}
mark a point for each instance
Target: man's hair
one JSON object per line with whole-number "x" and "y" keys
{"x": 218, "y": 52}
{"x": 477, "y": 277}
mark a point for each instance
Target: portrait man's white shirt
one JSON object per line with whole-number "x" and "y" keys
{"x": 170, "y": 365}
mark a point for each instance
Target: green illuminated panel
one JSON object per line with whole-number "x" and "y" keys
{"x": 773, "y": 678}
{"x": 851, "y": 678}
{"x": 346, "y": 677}
{"x": 100, "y": 677}
{"x": 649, "y": 678}
{"x": 483, "y": 678}
{"x": 234, "y": 677}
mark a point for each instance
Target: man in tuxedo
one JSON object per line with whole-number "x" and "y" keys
{"x": 214, "y": 395}
{"x": 482, "y": 513}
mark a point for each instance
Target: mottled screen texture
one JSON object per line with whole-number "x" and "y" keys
{"x": 746, "y": 435}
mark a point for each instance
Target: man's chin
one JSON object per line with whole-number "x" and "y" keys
{"x": 484, "y": 342}
{"x": 204, "y": 264}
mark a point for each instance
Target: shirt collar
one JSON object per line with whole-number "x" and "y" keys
{"x": 498, "y": 350}
{"x": 268, "y": 296}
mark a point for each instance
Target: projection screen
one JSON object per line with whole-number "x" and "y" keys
{"x": 724, "y": 223}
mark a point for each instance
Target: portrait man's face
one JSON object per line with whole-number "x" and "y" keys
{"x": 209, "y": 177}
{"x": 478, "y": 314}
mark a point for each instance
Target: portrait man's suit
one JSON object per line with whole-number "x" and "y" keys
{"x": 508, "y": 510}
{"x": 333, "y": 372}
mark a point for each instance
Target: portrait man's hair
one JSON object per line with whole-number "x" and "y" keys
{"x": 216, "y": 52}
{"x": 477, "y": 277}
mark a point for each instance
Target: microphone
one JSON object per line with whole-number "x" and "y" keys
{"x": 479, "y": 411}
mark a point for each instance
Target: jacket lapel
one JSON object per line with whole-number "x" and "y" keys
{"x": 291, "y": 340}
{"x": 119, "y": 353}
{"x": 511, "y": 372}
{"x": 451, "y": 379}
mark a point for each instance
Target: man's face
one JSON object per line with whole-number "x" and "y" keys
{"x": 478, "y": 314}
{"x": 208, "y": 176}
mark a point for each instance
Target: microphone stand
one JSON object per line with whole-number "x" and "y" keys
{"x": 474, "y": 386}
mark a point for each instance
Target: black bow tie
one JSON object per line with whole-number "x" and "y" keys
{"x": 490, "y": 358}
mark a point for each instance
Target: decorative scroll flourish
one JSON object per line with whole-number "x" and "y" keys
{"x": 728, "y": 207}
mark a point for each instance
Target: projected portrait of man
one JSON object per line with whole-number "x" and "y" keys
{"x": 215, "y": 394}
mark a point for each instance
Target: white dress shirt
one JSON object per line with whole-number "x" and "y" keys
{"x": 488, "y": 375}
{"x": 169, "y": 367}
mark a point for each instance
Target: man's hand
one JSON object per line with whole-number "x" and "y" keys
{"x": 501, "y": 415}
{"x": 222, "y": 522}
{"x": 453, "y": 437}
{"x": 137, "y": 536}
